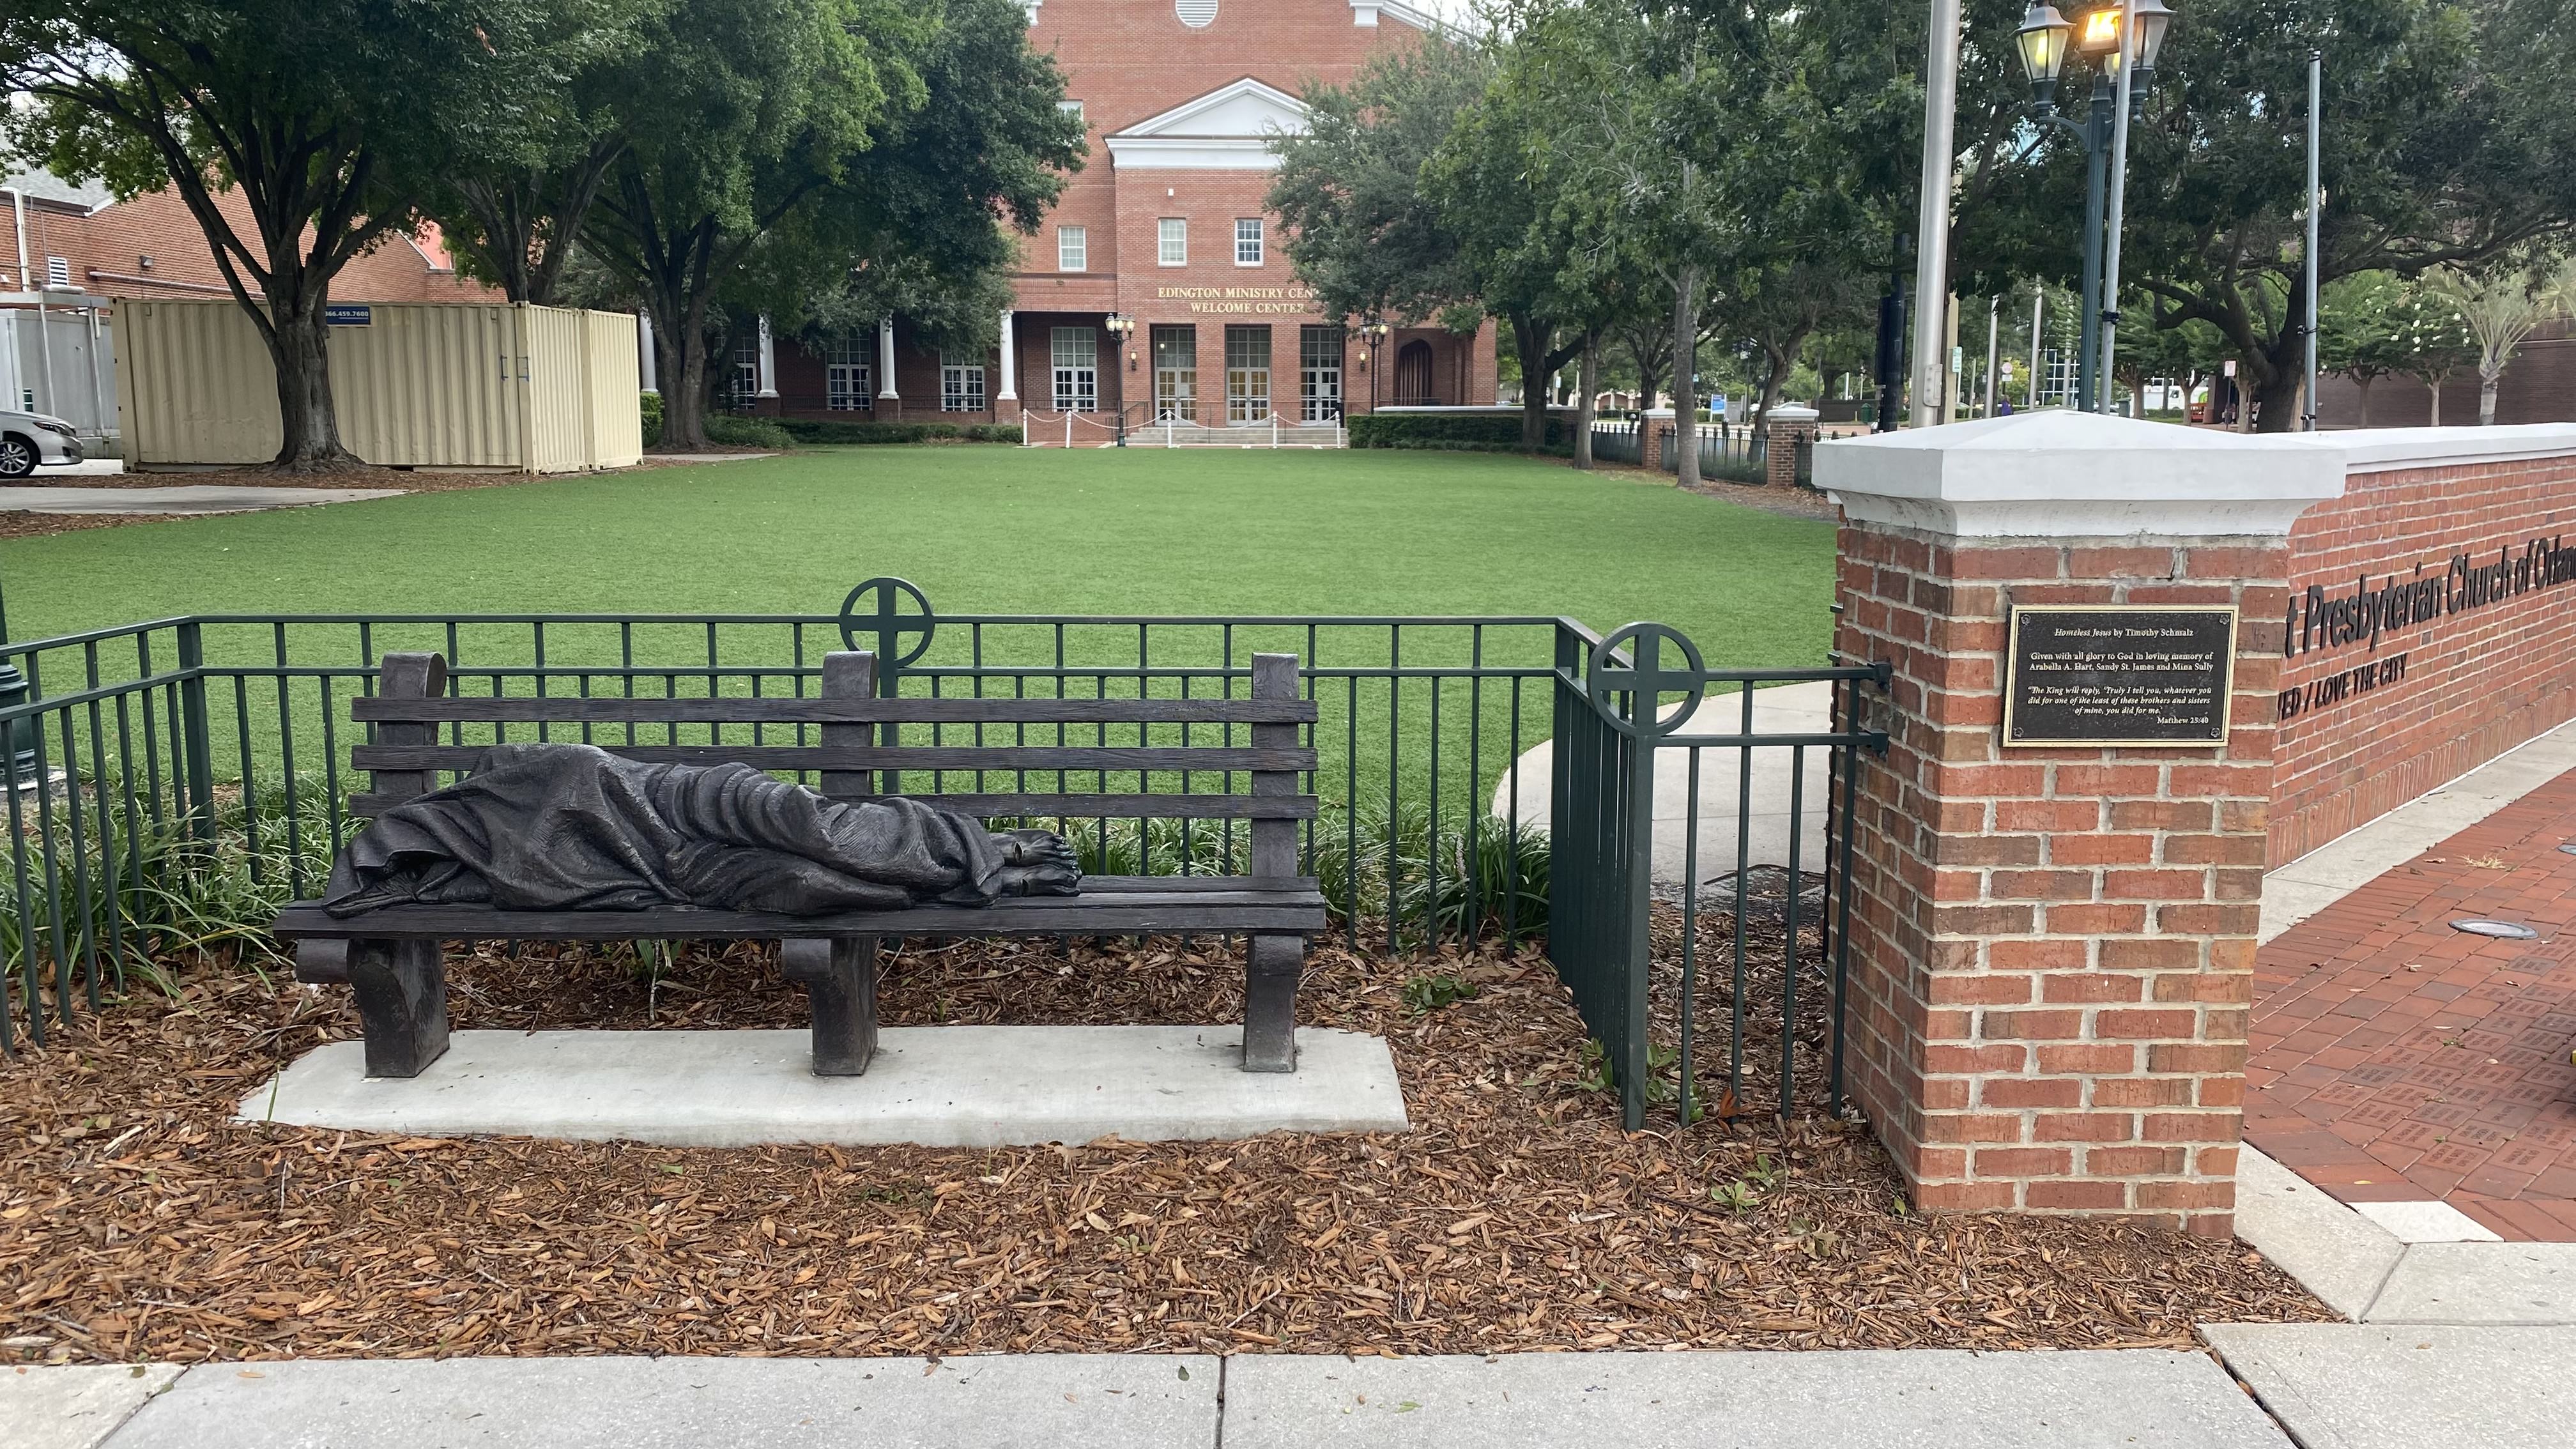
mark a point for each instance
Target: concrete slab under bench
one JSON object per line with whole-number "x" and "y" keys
{"x": 938, "y": 1086}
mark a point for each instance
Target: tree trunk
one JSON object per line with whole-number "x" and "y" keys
{"x": 299, "y": 349}
{"x": 1685, "y": 388}
{"x": 2278, "y": 398}
{"x": 680, "y": 356}
{"x": 2363, "y": 383}
{"x": 2488, "y": 383}
{"x": 1587, "y": 402}
{"x": 2435, "y": 420}
{"x": 1527, "y": 336}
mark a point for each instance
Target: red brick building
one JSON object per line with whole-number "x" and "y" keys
{"x": 77, "y": 238}
{"x": 1157, "y": 287}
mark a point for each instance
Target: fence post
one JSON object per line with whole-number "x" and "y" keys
{"x": 196, "y": 737}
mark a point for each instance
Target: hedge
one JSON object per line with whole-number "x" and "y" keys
{"x": 1454, "y": 432}
{"x": 806, "y": 430}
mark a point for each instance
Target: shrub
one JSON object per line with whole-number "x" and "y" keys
{"x": 806, "y": 430}
{"x": 1456, "y": 432}
{"x": 739, "y": 432}
{"x": 652, "y": 402}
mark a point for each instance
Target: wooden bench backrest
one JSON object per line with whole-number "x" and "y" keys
{"x": 859, "y": 750}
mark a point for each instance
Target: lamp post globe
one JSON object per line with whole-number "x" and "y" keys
{"x": 2041, "y": 41}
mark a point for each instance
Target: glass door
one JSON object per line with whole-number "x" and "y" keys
{"x": 1247, "y": 374}
{"x": 1176, "y": 373}
{"x": 1077, "y": 369}
{"x": 1319, "y": 374}
{"x": 847, "y": 365}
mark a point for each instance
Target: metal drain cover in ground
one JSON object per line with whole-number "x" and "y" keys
{"x": 2501, "y": 930}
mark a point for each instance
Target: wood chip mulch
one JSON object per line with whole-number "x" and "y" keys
{"x": 138, "y": 1220}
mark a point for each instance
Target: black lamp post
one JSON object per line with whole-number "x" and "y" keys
{"x": 2042, "y": 42}
{"x": 1373, "y": 356}
{"x": 1119, "y": 329}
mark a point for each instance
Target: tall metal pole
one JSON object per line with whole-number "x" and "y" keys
{"x": 2088, "y": 305}
{"x": 2127, "y": 52}
{"x": 1932, "y": 227}
{"x": 2038, "y": 301}
{"x": 1994, "y": 340}
{"x": 2316, "y": 204}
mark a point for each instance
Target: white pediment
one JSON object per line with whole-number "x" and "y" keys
{"x": 1228, "y": 129}
{"x": 1244, "y": 111}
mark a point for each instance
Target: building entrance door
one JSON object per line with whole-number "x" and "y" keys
{"x": 1176, "y": 374}
{"x": 1247, "y": 374}
{"x": 1076, "y": 354}
{"x": 1319, "y": 374}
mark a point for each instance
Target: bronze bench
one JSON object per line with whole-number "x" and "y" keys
{"x": 391, "y": 956}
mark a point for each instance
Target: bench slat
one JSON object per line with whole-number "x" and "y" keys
{"x": 1204, "y": 905}
{"x": 989, "y": 758}
{"x": 1167, "y": 806}
{"x": 576, "y": 709}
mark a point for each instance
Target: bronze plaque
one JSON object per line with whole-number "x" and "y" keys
{"x": 2115, "y": 674}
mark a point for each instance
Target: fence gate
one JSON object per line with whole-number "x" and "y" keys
{"x": 1722, "y": 893}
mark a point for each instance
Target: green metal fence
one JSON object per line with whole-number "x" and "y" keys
{"x": 1614, "y": 735}
{"x": 155, "y": 758}
{"x": 177, "y": 780}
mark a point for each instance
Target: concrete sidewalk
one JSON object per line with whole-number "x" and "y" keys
{"x": 1935, "y": 1399}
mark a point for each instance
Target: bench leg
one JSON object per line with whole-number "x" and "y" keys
{"x": 402, "y": 997}
{"x": 1270, "y": 1003}
{"x": 840, "y": 977}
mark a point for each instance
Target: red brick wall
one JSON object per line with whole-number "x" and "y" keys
{"x": 2052, "y": 948}
{"x": 2474, "y": 684}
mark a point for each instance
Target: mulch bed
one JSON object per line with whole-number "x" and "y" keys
{"x": 138, "y": 1220}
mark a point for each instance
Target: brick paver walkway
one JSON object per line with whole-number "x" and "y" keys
{"x": 2395, "y": 1058}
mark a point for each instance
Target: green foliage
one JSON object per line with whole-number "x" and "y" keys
{"x": 1425, "y": 994}
{"x": 1455, "y": 432}
{"x": 735, "y": 431}
{"x": 651, "y": 404}
{"x": 807, "y": 430}
{"x": 318, "y": 116}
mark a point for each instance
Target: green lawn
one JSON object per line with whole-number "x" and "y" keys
{"x": 982, "y": 530}
{"x": 989, "y": 530}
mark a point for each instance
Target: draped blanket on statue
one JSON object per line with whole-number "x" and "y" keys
{"x": 573, "y": 827}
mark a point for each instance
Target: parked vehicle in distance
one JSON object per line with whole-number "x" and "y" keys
{"x": 28, "y": 440}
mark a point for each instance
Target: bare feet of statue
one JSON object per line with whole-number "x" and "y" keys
{"x": 1038, "y": 863}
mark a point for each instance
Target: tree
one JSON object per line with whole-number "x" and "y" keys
{"x": 2501, "y": 306}
{"x": 2361, "y": 330}
{"x": 516, "y": 221}
{"x": 1359, "y": 224}
{"x": 2435, "y": 344}
{"x": 312, "y": 112}
{"x": 2443, "y": 145}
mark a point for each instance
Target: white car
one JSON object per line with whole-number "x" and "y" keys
{"x": 30, "y": 439}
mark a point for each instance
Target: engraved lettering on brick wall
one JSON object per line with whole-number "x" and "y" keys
{"x": 2324, "y": 618}
{"x": 2125, "y": 676}
{"x": 1239, "y": 301}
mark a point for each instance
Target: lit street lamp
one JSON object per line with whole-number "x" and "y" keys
{"x": 1119, "y": 329}
{"x": 1375, "y": 331}
{"x": 2042, "y": 42}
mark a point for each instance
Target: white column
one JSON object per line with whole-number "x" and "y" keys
{"x": 1010, "y": 362}
{"x": 644, "y": 353}
{"x": 885, "y": 358}
{"x": 768, "y": 361}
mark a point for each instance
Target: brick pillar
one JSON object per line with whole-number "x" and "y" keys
{"x": 2051, "y": 947}
{"x": 1785, "y": 427}
{"x": 1650, "y": 436}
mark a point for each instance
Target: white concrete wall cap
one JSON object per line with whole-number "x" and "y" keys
{"x": 2061, "y": 474}
{"x": 2386, "y": 450}
{"x": 1794, "y": 413}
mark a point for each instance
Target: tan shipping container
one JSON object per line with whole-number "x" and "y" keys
{"x": 481, "y": 385}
